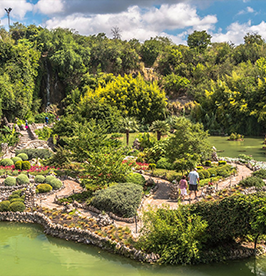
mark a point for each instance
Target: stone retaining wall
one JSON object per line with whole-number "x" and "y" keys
{"x": 78, "y": 235}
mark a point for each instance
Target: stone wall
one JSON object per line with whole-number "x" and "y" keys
{"x": 78, "y": 235}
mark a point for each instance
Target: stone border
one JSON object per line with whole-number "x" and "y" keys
{"x": 12, "y": 188}
{"x": 78, "y": 235}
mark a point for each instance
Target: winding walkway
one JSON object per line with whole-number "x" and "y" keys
{"x": 158, "y": 199}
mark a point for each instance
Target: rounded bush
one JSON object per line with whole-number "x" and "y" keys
{"x": 18, "y": 199}
{"x": 17, "y": 206}
{"x": 23, "y": 156}
{"x": 135, "y": 178}
{"x": 39, "y": 179}
{"x": 208, "y": 163}
{"x": 15, "y": 159}
{"x": 18, "y": 165}
{"x": 10, "y": 181}
{"x": 22, "y": 179}
{"x": 56, "y": 184}
{"x": 4, "y": 206}
{"x": 6, "y": 162}
{"x": 221, "y": 162}
{"x": 49, "y": 178}
{"x": 201, "y": 174}
{"x": 13, "y": 196}
{"x": 15, "y": 172}
{"x": 26, "y": 165}
{"x": 44, "y": 188}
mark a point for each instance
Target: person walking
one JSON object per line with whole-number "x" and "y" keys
{"x": 26, "y": 124}
{"x": 183, "y": 187}
{"x": 193, "y": 180}
{"x": 46, "y": 120}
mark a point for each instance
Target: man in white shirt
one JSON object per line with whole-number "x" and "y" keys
{"x": 193, "y": 180}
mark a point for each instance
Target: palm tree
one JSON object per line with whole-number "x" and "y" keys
{"x": 161, "y": 127}
{"x": 128, "y": 124}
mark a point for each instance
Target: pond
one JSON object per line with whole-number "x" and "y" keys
{"x": 25, "y": 250}
{"x": 250, "y": 146}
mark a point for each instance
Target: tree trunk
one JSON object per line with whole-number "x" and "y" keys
{"x": 255, "y": 244}
{"x": 158, "y": 135}
{"x": 127, "y": 135}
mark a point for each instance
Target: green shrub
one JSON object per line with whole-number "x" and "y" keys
{"x": 206, "y": 174}
{"x": 201, "y": 175}
{"x": 17, "y": 206}
{"x": 36, "y": 153}
{"x": 221, "y": 162}
{"x": 6, "y": 162}
{"x": 40, "y": 118}
{"x": 135, "y": 178}
{"x": 18, "y": 165}
{"x": 22, "y": 179}
{"x": 26, "y": 165}
{"x": 4, "y": 206}
{"x": 13, "y": 196}
{"x": 164, "y": 164}
{"x": 39, "y": 179}
{"x": 44, "y": 188}
{"x": 49, "y": 179}
{"x": 23, "y": 156}
{"x": 15, "y": 159}
{"x": 260, "y": 173}
{"x": 10, "y": 181}
{"x": 56, "y": 184}
{"x": 15, "y": 172}
{"x": 199, "y": 168}
{"x": 17, "y": 192}
{"x": 244, "y": 157}
{"x": 122, "y": 199}
{"x": 222, "y": 172}
{"x": 19, "y": 199}
{"x": 208, "y": 163}
{"x": 252, "y": 181}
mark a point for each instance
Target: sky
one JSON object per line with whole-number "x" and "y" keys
{"x": 224, "y": 20}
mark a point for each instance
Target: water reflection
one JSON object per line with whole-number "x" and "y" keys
{"x": 25, "y": 250}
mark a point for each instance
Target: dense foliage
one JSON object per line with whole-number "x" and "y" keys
{"x": 121, "y": 199}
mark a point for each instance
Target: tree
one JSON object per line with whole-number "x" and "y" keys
{"x": 189, "y": 142}
{"x": 199, "y": 40}
{"x": 253, "y": 38}
{"x": 128, "y": 125}
{"x": 160, "y": 127}
{"x": 116, "y": 32}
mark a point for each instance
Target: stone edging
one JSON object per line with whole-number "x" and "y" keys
{"x": 12, "y": 188}
{"x": 78, "y": 235}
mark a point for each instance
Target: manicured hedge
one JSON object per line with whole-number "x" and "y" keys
{"x": 56, "y": 184}
{"x": 122, "y": 199}
{"x": 43, "y": 188}
{"x": 6, "y": 162}
{"x": 4, "y": 206}
{"x": 36, "y": 153}
{"x": 15, "y": 159}
{"x": 22, "y": 179}
{"x": 23, "y": 156}
{"x": 26, "y": 165}
{"x": 49, "y": 179}
{"x": 10, "y": 181}
{"x": 17, "y": 206}
{"x": 39, "y": 179}
{"x": 18, "y": 165}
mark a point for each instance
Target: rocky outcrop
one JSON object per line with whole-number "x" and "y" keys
{"x": 79, "y": 235}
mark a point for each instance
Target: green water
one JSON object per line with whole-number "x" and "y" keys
{"x": 25, "y": 250}
{"x": 250, "y": 146}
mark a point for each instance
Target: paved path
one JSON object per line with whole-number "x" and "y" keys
{"x": 159, "y": 199}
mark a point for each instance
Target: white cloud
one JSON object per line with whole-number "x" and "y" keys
{"x": 249, "y": 9}
{"x": 19, "y": 8}
{"x": 236, "y": 32}
{"x": 138, "y": 23}
{"x": 49, "y": 7}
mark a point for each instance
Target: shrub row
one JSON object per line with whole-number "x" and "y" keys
{"x": 35, "y": 153}
{"x": 13, "y": 181}
{"x": 22, "y": 165}
{"x": 15, "y": 203}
